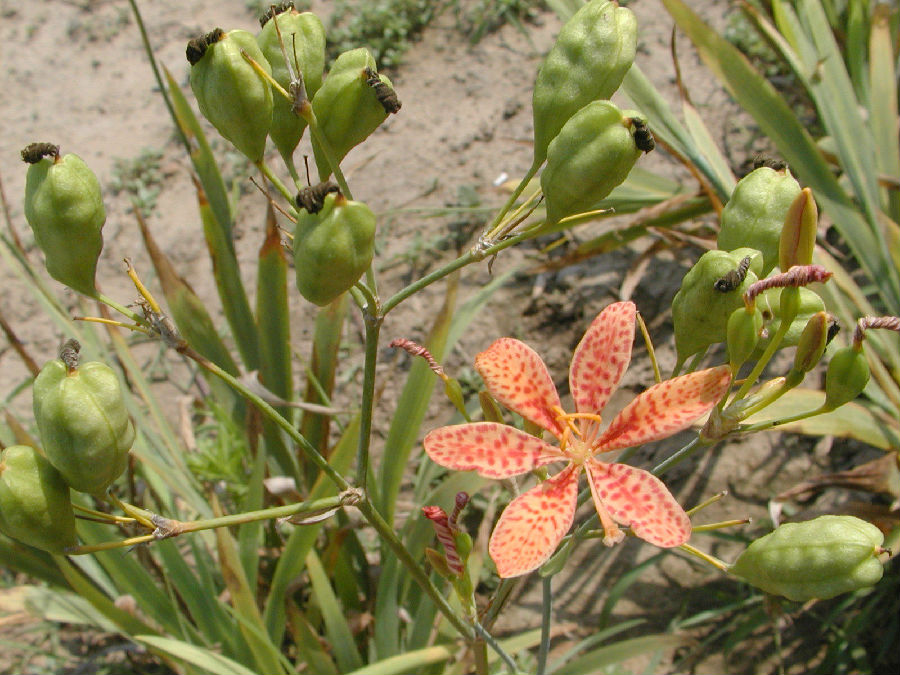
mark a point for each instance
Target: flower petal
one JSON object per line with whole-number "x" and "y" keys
{"x": 666, "y": 408}
{"x": 493, "y": 450}
{"x": 639, "y": 499}
{"x": 533, "y": 524}
{"x": 602, "y": 356}
{"x": 516, "y": 376}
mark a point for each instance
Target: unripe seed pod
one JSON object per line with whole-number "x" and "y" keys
{"x": 587, "y": 63}
{"x": 346, "y": 106}
{"x": 756, "y": 212}
{"x": 235, "y": 99}
{"x": 742, "y": 335}
{"x": 83, "y": 423}
{"x": 65, "y": 209}
{"x": 34, "y": 501}
{"x": 592, "y": 154}
{"x": 333, "y": 248}
{"x": 798, "y": 235}
{"x": 304, "y": 39}
{"x": 846, "y": 377}
{"x": 700, "y": 310}
{"x": 816, "y": 559}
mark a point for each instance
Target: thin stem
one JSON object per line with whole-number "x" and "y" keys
{"x": 762, "y": 426}
{"x": 678, "y": 457}
{"x": 109, "y": 517}
{"x": 772, "y": 347}
{"x": 721, "y": 525}
{"x": 109, "y": 302}
{"x": 546, "y": 606}
{"x": 493, "y": 644}
{"x": 275, "y": 180}
{"x": 315, "y": 131}
{"x": 373, "y": 330}
{"x": 705, "y": 557}
{"x": 318, "y": 506}
{"x": 491, "y": 229}
{"x": 108, "y": 545}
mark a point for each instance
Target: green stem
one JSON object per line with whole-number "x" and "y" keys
{"x": 678, "y": 457}
{"x": 493, "y": 644}
{"x": 276, "y": 181}
{"x": 546, "y": 606}
{"x": 315, "y": 506}
{"x": 763, "y": 426}
{"x": 109, "y": 302}
{"x": 316, "y": 132}
{"x": 520, "y": 188}
{"x": 373, "y": 331}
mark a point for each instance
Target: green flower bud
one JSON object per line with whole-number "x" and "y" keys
{"x": 34, "y": 501}
{"x": 304, "y": 39}
{"x": 812, "y": 342}
{"x": 755, "y": 214}
{"x": 333, "y": 248}
{"x": 83, "y": 423}
{"x": 592, "y": 154}
{"x": 798, "y": 235}
{"x": 846, "y": 377}
{"x": 235, "y": 99}
{"x": 346, "y": 106}
{"x": 64, "y": 207}
{"x": 742, "y": 334}
{"x": 439, "y": 563}
{"x": 587, "y": 63}
{"x": 703, "y": 304}
{"x": 816, "y": 559}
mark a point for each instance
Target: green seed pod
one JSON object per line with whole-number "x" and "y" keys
{"x": 587, "y": 63}
{"x": 83, "y": 422}
{"x": 304, "y": 39}
{"x": 808, "y": 303}
{"x": 812, "y": 342}
{"x": 742, "y": 335}
{"x": 34, "y": 501}
{"x": 64, "y": 207}
{"x": 756, "y": 212}
{"x": 703, "y": 305}
{"x": 816, "y": 559}
{"x": 593, "y": 153}
{"x": 846, "y": 377}
{"x": 235, "y": 99}
{"x": 333, "y": 248}
{"x": 346, "y": 106}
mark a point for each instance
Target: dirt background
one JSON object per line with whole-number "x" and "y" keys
{"x": 74, "y": 73}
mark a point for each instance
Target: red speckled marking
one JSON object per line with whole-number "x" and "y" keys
{"x": 666, "y": 408}
{"x": 602, "y": 357}
{"x": 639, "y": 499}
{"x": 533, "y": 524}
{"x": 516, "y": 376}
{"x": 493, "y": 450}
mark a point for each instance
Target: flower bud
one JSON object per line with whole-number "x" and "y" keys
{"x": 346, "y": 106}
{"x": 333, "y": 248}
{"x": 34, "y": 501}
{"x": 812, "y": 342}
{"x": 235, "y": 99}
{"x": 304, "y": 40}
{"x": 701, "y": 309}
{"x": 798, "y": 235}
{"x": 592, "y": 154}
{"x": 83, "y": 422}
{"x": 64, "y": 208}
{"x": 592, "y": 53}
{"x": 846, "y": 377}
{"x": 816, "y": 559}
{"x": 756, "y": 212}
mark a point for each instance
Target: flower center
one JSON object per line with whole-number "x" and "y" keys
{"x": 579, "y": 434}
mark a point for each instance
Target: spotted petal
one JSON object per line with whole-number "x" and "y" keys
{"x": 602, "y": 356}
{"x": 516, "y": 376}
{"x": 666, "y": 408}
{"x": 639, "y": 499}
{"x": 534, "y": 523}
{"x": 493, "y": 450}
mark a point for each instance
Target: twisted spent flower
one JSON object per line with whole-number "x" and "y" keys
{"x": 535, "y": 522}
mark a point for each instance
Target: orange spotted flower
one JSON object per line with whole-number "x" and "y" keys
{"x": 531, "y": 527}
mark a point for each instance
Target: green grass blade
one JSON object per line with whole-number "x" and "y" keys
{"x": 208, "y": 661}
{"x": 410, "y": 662}
{"x": 604, "y": 657}
{"x": 336, "y": 627}
{"x": 30, "y": 561}
{"x": 883, "y": 112}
